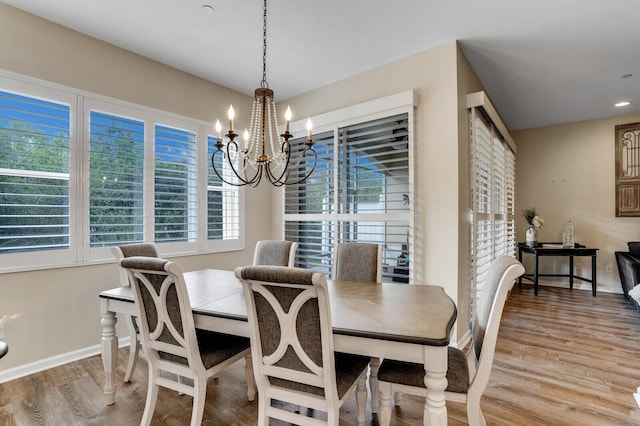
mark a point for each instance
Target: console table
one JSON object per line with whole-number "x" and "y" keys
{"x": 556, "y": 249}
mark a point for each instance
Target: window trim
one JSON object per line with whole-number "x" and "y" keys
{"x": 80, "y": 103}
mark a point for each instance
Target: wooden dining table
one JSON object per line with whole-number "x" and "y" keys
{"x": 396, "y": 321}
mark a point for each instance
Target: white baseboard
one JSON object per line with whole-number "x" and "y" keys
{"x": 54, "y": 361}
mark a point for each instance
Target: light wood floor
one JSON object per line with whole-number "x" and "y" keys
{"x": 563, "y": 358}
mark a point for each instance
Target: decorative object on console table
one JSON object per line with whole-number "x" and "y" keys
{"x": 568, "y": 234}
{"x": 534, "y": 221}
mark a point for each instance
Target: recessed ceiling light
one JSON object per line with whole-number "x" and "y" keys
{"x": 207, "y": 8}
{"x": 622, "y": 104}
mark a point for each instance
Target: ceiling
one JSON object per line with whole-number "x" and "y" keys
{"x": 542, "y": 62}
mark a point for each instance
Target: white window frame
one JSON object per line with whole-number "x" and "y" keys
{"x": 80, "y": 103}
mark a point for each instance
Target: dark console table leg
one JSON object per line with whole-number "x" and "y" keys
{"x": 520, "y": 260}
{"x": 535, "y": 275}
{"x": 571, "y": 272}
{"x": 593, "y": 275}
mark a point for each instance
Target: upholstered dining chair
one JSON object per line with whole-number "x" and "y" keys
{"x": 465, "y": 384}
{"x": 174, "y": 347}
{"x": 354, "y": 261}
{"x": 275, "y": 252}
{"x": 120, "y": 252}
{"x": 292, "y": 347}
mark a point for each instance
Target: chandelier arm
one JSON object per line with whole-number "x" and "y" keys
{"x": 285, "y": 148}
{"x": 213, "y": 164}
{"x": 243, "y": 181}
{"x": 280, "y": 182}
{"x": 305, "y": 177}
{"x": 255, "y": 179}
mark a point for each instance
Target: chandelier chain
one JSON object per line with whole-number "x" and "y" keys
{"x": 264, "y": 83}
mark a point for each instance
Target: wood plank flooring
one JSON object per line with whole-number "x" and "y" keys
{"x": 563, "y": 358}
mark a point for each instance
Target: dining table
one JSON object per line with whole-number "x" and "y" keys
{"x": 406, "y": 322}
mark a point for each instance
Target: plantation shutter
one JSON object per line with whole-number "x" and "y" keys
{"x": 223, "y": 200}
{"x": 492, "y": 195}
{"x": 175, "y": 184}
{"x": 34, "y": 174}
{"x": 371, "y": 203}
{"x": 116, "y": 171}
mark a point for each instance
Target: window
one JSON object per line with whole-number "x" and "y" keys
{"x": 359, "y": 191}
{"x": 223, "y": 200}
{"x": 492, "y": 192}
{"x": 175, "y": 184}
{"x": 81, "y": 173}
{"x": 116, "y": 170}
{"x": 34, "y": 174}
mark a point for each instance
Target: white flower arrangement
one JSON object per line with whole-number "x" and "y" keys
{"x": 532, "y": 218}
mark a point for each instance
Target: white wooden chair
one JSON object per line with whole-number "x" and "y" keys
{"x": 142, "y": 249}
{"x": 173, "y": 346}
{"x": 292, "y": 347}
{"x": 275, "y": 252}
{"x": 462, "y": 386}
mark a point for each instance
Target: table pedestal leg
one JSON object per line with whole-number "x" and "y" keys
{"x": 109, "y": 354}
{"x": 435, "y": 379}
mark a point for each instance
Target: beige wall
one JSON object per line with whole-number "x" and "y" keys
{"x": 53, "y": 312}
{"x": 568, "y": 172}
{"x": 442, "y": 183}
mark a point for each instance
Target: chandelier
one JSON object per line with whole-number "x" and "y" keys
{"x": 258, "y": 156}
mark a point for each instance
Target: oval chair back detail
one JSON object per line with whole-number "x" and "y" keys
{"x": 275, "y": 252}
{"x": 292, "y": 346}
{"x": 462, "y": 387}
{"x": 175, "y": 349}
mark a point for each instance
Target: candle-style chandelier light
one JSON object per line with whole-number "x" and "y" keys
{"x": 258, "y": 156}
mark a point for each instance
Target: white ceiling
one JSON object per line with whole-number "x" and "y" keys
{"x": 543, "y": 62}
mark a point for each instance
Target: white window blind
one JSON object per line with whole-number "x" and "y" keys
{"x": 493, "y": 197}
{"x": 223, "y": 200}
{"x": 116, "y": 172}
{"x": 372, "y": 201}
{"x": 175, "y": 184}
{"x": 34, "y": 174}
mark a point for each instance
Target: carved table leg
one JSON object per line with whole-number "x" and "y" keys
{"x": 109, "y": 352}
{"x": 435, "y": 409}
{"x": 374, "y": 363}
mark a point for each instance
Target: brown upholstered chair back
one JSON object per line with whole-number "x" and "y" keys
{"x": 275, "y": 252}
{"x": 357, "y": 262}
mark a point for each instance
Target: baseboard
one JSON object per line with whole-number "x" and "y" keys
{"x": 577, "y": 284}
{"x": 54, "y": 361}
